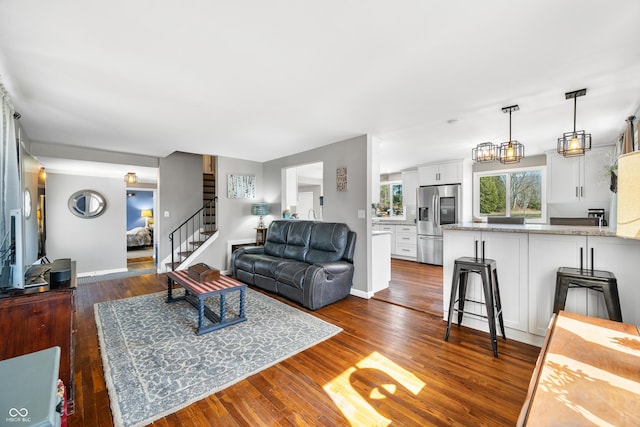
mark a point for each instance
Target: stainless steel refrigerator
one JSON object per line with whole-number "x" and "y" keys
{"x": 437, "y": 205}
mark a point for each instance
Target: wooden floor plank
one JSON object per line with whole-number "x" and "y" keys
{"x": 463, "y": 384}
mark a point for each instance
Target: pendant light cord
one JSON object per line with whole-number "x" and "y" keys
{"x": 575, "y": 107}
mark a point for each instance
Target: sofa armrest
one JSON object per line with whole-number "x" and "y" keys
{"x": 325, "y": 283}
{"x": 336, "y": 267}
{"x": 241, "y": 251}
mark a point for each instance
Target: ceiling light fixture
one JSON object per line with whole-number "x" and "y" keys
{"x": 484, "y": 152}
{"x": 131, "y": 178}
{"x": 510, "y": 151}
{"x": 574, "y": 143}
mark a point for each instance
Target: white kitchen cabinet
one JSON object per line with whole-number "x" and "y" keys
{"x": 510, "y": 251}
{"x": 619, "y": 256}
{"x": 549, "y": 252}
{"x": 381, "y": 257}
{"x": 409, "y": 188}
{"x": 392, "y": 230}
{"x": 584, "y": 178}
{"x": 442, "y": 173}
{"x": 406, "y": 242}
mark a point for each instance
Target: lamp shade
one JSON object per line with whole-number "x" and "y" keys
{"x": 628, "y": 201}
{"x": 146, "y": 213}
{"x": 131, "y": 178}
{"x": 260, "y": 209}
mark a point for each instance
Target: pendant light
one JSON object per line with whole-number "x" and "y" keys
{"x": 131, "y": 178}
{"x": 484, "y": 152}
{"x": 510, "y": 151}
{"x": 574, "y": 143}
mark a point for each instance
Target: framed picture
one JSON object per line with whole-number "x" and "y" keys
{"x": 241, "y": 186}
{"x": 342, "y": 184}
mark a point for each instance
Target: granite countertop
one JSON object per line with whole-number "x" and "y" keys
{"x": 535, "y": 229}
{"x": 392, "y": 222}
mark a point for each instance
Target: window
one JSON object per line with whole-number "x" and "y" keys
{"x": 514, "y": 193}
{"x": 391, "y": 203}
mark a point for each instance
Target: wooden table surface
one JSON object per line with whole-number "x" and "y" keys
{"x": 588, "y": 373}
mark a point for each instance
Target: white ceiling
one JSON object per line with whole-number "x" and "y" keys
{"x": 258, "y": 80}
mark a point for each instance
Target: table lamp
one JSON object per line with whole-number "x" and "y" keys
{"x": 260, "y": 209}
{"x": 146, "y": 214}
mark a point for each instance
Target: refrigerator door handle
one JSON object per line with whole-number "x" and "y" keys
{"x": 436, "y": 210}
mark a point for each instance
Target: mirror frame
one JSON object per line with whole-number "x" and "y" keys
{"x": 96, "y": 211}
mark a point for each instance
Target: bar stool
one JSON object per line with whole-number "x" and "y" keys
{"x": 489, "y": 273}
{"x": 597, "y": 280}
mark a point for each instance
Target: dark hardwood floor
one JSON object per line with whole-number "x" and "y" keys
{"x": 413, "y": 285}
{"x": 389, "y": 362}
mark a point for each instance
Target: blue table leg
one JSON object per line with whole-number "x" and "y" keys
{"x": 241, "y": 302}
{"x": 200, "y": 314}
{"x": 222, "y": 307}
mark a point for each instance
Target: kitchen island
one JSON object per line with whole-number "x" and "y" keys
{"x": 528, "y": 257}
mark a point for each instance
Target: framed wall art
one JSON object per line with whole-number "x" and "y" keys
{"x": 241, "y": 186}
{"x": 341, "y": 179}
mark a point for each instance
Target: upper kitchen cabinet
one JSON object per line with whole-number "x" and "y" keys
{"x": 409, "y": 187}
{"x": 574, "y": 179}
{"x": 442, "y": 173}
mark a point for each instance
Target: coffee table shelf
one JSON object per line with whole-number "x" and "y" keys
{"x": 196, "y": 293}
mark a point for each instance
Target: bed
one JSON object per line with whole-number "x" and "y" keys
{"x": 139, "y": 237}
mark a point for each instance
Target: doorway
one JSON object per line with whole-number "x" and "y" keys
{"x": 303, "y": 189}
{"x": 140, "y": 221}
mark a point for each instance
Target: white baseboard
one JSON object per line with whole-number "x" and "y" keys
{"x": 102, "y": 272}
{"x": 361, "y": 294}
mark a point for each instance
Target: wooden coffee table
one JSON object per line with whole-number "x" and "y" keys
{"x": 195, "y": 293}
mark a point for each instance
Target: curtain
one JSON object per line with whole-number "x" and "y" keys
{"x": 627, "y": 138}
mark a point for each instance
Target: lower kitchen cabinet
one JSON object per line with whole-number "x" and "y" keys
{"x": 406, "y": 242}
{"x": 510, "y": 251}
{"x": 549, "y": 252}
{"x": 403, "y": 240}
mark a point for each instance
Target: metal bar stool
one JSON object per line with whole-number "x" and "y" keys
{"x": 597, "y": 280}
{"x": 486, "y": 268}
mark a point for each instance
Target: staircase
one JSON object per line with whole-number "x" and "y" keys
{"x": 192, "y": 234}
{"x": 197, "y": 229}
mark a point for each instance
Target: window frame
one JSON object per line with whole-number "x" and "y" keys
{"x": 392, "y": 217}
{"x": 543, "y": 191}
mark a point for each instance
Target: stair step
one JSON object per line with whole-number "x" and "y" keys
{"x": 197, "y": 243}
{"x": 185, "y": 254}
{"x": 172, "y": 266}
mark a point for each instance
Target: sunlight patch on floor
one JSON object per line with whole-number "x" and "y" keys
{"x": 356, "y": 407}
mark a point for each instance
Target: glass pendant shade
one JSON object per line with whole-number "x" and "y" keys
{"x": 510, "y": 152}
{"x": 574, "y": 143}
{"x": 484, "y": 152}
{"x": 131, "y": 178}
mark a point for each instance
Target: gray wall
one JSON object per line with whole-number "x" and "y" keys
{"x": 179, "y": 194}
{"x": 97, "y": 245}
{"x": 235, "y": 221}
{"x": 338, "y": 206}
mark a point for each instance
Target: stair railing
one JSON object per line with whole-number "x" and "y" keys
{"x": 197, "y": 228}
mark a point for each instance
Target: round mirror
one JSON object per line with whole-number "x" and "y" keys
{"x": 87, "y": 204}
{"x": 27, "y": 203}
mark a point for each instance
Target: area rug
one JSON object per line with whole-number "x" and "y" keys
{"x": 155, "y": 364}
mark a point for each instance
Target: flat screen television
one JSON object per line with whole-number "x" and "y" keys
{"x": 22, "y": 227}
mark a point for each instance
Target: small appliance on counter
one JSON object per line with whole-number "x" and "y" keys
{"x": 598, "y": 213}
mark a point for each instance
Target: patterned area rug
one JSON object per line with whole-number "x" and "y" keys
{"x": 155, "y": 364}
